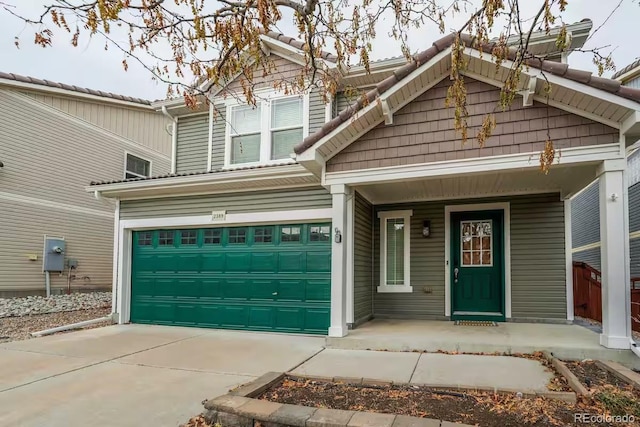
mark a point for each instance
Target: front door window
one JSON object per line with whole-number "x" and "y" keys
{"x": 476, "y": 243}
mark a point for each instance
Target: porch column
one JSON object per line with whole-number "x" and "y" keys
{"x": 614, "y": 253}
{"x": 340, "y": 235}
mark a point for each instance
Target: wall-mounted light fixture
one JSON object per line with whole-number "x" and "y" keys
{"x": 338, "y": 236}
{"x": 426, "y": 228}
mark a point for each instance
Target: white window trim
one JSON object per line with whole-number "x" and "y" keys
{"x": 264, "y": 98}
{"x": 384, "y": 216}
{"x": 127, "y": 154}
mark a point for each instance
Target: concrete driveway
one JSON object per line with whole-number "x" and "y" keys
{"x": 132, "y": 375}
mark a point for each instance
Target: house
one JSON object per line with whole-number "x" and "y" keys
{"x": 382, "y": 211}
{"x": 586, "y": 209}
{"x": 54, "y": 138}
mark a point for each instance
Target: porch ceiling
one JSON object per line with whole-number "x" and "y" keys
{"x": 566, "y": 180}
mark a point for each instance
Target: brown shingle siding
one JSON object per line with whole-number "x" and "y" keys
{"x": 423, "y": 131}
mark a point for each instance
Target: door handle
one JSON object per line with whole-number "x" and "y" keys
{"x": 274, "y": 293}
{"x": 455, "y": 274}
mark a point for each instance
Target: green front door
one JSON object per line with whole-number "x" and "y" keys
{"x": 477, "y": 268}
{"x": 270, "y": 278}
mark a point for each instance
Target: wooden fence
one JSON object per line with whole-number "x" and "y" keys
{"x": 587, "y": 294}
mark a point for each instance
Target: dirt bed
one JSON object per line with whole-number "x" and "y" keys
{"x": 20, "y": 328}
{"x": 475, "y": 408}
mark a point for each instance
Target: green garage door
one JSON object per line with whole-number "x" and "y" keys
{"x": 271, "y": 278}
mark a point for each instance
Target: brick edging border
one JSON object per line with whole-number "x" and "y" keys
{"x": 238, "y": 408}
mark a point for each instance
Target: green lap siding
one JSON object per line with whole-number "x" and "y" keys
{"x": 538, "y": 289}
{"x": 213, "y": 278}
{"x": 193, "y": 143}
{"x": 241, "y": 202}
{"x": 362, "y": 260}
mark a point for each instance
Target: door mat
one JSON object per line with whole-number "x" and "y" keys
{"x": 475, "y": 323}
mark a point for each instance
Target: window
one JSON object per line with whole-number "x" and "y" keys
{"x": 289, "y": 234}
{"x": 320, "y": 233}
{"x": 245, "y": 134}
{"x": 286, "y": 126}
{"x": 144, "y": 238}
{"x": 137, "y": 167}
{"x": 395, "y": 265}
{"x": 266, "y": 132}
{"x": 237, "y": 235}
{"x": 165, "y": 238}
{"x": 476, "y": 243}
{"x": 263, "y": 235}
{"x": 188, "y": 237}
{"x": 212, "y": 236}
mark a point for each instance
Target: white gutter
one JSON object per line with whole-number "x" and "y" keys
{"x": 174, "y": 137}
{"x": 72, "y": 326}
{"x": 72, "y": 93}
{"x": 244, "y": 175}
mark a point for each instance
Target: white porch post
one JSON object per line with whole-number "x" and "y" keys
{"x": 339, "y": 251}
{"x": 616, "y": 321}
{"x": 350, "y": 256}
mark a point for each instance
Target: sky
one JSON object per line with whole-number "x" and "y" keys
{"x": 89, "y": 65}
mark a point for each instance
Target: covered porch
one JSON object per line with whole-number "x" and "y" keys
{"x": 519, "y": 273}
{"x": 569, "y": 342}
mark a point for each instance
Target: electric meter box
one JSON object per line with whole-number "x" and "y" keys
{"x": 53, "y": 256}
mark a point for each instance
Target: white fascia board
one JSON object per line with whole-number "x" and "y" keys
{"x": 205, "y": 178}
{"x": 593, "y": 154}
{"x": 299, "y": 215}
{"x": 560, "y": 81}
{"x": 295, "y": 55}
{"x": 72, "y": 93}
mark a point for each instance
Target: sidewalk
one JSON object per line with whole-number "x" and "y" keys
{"x": 435, "y": 369}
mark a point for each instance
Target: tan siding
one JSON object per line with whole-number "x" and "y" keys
{"x": 142, "y": 125}
{"x": 193, "y": 144}
{"x": 362, "y": 260}
{"x": 88, "y": 239}
{"x": 537, "y": 260}
{"x": 48, "y": 157}
{"x": 281, "y": 71}
{"x": 423, "y": 131}
{"x": 263, "y": 201}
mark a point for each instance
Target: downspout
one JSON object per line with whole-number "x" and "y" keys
{"x": 116, "y": 258}
{"x": 174, "y": 137}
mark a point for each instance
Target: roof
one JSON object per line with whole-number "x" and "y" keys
{"x": 72, "y": 88}
{"x": 626, "y": 69}
{"x": 299, "y": 44}
{"x": 175, "y": 175}
{"x": 552, "y": 67}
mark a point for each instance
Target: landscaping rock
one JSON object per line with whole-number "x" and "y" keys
{"x": 17, "y": 307}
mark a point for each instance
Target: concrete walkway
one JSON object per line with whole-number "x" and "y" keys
{"x": 503, "y": 372}
{"x": 564, "y": 341}
{"x": 134, "y": 375}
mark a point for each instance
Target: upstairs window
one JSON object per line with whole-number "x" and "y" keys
{"x": 137, "y": 167}
{"x": 286, "y": 126}
{"x": 265, "y": 133}
{"x": 245, "y": 134}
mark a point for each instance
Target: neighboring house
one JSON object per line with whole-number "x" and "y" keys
{"x": 54, "y": 138}
{"x": 586, "y": 209}
{"x": 384, "y": 212}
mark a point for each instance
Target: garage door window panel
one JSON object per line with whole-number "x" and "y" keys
{"x": 319, "y": 233}
{"x": 212, "y": 236}
{"x": 188, "y": 237}
{"x": 145, "y": 238}
{"x": 290, "y": 234}
{"x": 166, "y": 238}
{"x": 263, "y": 235}
{"x": 237, "y": 236}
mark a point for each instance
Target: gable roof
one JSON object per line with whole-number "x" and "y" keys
{"x": 552, "y": 67}
{"x": 619, "y": 75}
{"x": 299, "y": 45}
{"x": 71, "y": 88}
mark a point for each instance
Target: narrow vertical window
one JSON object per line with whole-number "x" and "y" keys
{"x": 395, "y": 245}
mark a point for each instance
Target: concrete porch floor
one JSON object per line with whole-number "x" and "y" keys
{"x": 570, "y": 342}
